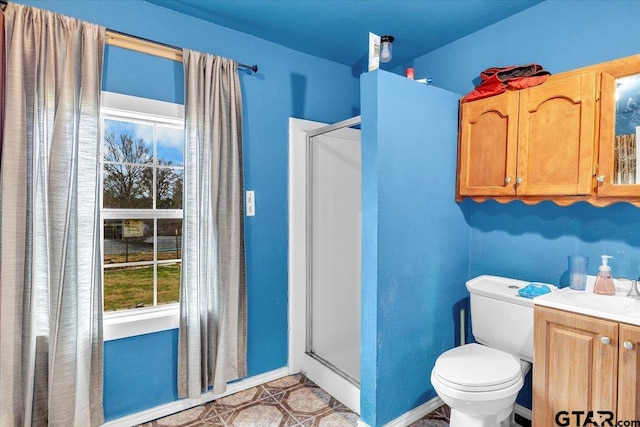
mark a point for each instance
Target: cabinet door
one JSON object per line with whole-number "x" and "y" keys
{"x": 629, "y": 373}
{"x": 556, "y": 137}
{"x": 618, "y": 166}
{"x": 573, "y": 370}
{"x": 487, "y": 151}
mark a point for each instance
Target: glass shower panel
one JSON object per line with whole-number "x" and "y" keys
{"x": 334, "y": 285}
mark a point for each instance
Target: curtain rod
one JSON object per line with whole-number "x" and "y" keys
{"x": 139, "y": 44}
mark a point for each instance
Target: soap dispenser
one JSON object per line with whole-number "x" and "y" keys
{"x": 604, "y": 283}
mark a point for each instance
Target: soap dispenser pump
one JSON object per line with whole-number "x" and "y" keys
{"x": 604, "y": 283}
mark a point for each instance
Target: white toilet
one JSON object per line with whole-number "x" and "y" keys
{"x": 480, "y": 382}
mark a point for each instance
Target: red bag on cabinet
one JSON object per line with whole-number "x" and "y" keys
{"x": 496, "y": 80}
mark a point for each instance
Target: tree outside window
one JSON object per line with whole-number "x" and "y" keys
{"x": 142, "y": 179}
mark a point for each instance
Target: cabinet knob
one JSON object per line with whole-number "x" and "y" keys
{"x": 600, "y": 178}
{"x": 605, "y": 340}
{"x": 507, "y": 180}
{"x": 519, "y": 180}
{"x": 628, "y": 345}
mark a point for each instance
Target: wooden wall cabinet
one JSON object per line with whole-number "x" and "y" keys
{"x": 565, "y": 140}
{"x": 583, "y": 363}
{"x": 534, "y": 142}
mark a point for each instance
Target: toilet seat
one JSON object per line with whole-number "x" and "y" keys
{"x": 477, "y": 368}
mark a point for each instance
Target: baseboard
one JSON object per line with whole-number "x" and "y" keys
{"x": 413, "y": 415}
{"x": 416, "y": 413}
{"x": 431, "y": 405}
{"x": 181, "y": 405}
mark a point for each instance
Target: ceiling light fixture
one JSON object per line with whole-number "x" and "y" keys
{"x": 386, "y": 50}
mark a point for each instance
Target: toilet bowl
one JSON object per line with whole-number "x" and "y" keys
{"x": 480, "y": 381}
{"x": 479, "y": 384}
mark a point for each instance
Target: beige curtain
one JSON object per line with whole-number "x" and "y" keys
{"x": 50, "y": 279}
{"x": 2, "y": 68}
{"x": 626, "y": 159}
{"x": 213, "y": 325}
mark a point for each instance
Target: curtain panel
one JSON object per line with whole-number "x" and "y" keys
{"x": 213, "y": 307}
{"x": 51, "y": 366}
{"x": 2, "y": 68}
{"x": 626, "y": 159}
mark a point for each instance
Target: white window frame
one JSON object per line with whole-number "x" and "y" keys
{"x": 126, "y": 323}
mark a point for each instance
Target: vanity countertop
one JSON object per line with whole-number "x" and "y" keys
{"x": 618, "y": 307}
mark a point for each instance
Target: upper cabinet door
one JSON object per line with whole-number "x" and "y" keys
{"x": 618, "y": 173}
{"x": 487, "y": 146}
{"x": 556, "y": 137}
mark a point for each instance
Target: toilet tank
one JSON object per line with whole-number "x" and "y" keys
{"x": 500, "y": 317}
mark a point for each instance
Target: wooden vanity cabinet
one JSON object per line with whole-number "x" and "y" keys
{"x": 629, "y": 369}
{"x": 583, "y": 363}
{"x": 533, "y": 142}
{"x": 573, "y": 370}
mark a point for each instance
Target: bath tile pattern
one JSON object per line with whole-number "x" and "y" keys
{"x": 286, "y": 402}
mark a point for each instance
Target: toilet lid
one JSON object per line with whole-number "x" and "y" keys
{"x": 475, "y": 367}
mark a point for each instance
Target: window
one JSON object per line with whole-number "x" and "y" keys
{"x": 142, "y": 179}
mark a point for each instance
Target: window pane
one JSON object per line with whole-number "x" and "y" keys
{"x": 128, "y": 187}
{"x": 168, "y": 283}
{"x": 170, "y": 145}
{"x": 128, "y": 240}
{"x": 169, "y": 239}
{"x": 169, "y": 188}
{"x": 128, "y": 287}
{"x": 128, "y": 142}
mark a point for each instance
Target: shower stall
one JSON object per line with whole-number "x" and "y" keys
{"x": 325, "y": 251}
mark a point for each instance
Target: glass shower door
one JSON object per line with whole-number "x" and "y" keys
{"x": 333, "y": 293}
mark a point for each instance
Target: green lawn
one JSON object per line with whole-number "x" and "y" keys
{"x": 133, "y": 286}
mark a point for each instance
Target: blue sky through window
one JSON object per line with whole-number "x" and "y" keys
{"x": 170, "y": 144}
{"x": 170, "y": 140}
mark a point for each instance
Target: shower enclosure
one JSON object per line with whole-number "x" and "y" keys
{"x": 328, "y": 284}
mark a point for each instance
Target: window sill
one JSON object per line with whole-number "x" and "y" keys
{"x": 129, "y": 323}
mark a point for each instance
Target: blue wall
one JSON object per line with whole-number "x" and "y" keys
{"x": 533, "y": 242}
{"x": 288, "y": 83}
{"x": 407, "y": 306}
{"x": 140, "y": 371}
{"x": 560, "y": 35}
{"x": 415, "y": 241}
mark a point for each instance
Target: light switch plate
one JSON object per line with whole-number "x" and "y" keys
{"x": 250, "y": 205}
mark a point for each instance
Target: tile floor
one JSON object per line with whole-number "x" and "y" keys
{"x": 287, "y": 402}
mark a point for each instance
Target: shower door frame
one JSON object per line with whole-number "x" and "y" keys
{"x": 343, "y": 388}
